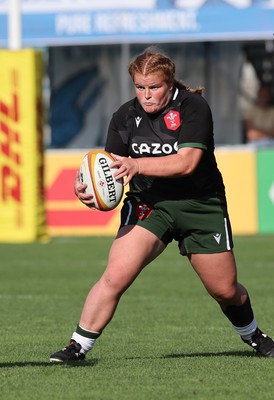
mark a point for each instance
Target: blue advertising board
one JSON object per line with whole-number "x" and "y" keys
{"x": 60, "y": 22}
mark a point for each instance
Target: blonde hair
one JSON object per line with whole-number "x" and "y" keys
{"x": 153, "y": 60}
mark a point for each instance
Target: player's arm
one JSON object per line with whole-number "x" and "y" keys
{"x": 172, "y": 166}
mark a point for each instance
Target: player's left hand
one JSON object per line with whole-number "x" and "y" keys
{"x": 125, "y": 167}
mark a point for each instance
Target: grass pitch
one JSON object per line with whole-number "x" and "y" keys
{"x": 168, "y": 339}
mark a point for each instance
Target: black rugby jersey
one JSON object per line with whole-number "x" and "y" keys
{"x": 185, "y": 122}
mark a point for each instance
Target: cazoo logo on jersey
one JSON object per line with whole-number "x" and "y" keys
{"x": 154, "y": 148}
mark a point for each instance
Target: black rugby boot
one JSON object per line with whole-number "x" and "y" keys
{"x": 261, "y": 343}
{"x": 70, "y": 353}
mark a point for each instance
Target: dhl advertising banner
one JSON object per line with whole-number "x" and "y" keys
{"x": 22, "y": 211}
{"x": 66, "y": 215}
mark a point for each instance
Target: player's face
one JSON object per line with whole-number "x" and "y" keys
{"x": 152, "y": 91}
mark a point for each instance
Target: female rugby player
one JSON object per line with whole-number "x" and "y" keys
{"x": 162, "y": 142}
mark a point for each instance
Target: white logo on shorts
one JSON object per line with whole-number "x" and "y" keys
{"x": 217, "y": 237}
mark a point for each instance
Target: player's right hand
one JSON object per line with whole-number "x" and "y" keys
{"x": 80, "y": 192}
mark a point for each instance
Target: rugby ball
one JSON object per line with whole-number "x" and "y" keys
{"x": 95, "y": 171}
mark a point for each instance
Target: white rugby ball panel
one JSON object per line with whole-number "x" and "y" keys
{"x": 96, "y": 173}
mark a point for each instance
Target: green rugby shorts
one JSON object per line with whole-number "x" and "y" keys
{"x": 200, "y": 226}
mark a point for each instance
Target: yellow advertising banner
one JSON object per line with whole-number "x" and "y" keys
{"x": 66, "y": 215}
{"x": 239, "y": 170}
{"x": 22, "y": 211}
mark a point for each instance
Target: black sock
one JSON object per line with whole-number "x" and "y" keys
{"x": 240, "y": 315}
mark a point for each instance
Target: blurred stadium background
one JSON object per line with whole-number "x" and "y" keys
{"x": 63, "y": 72}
